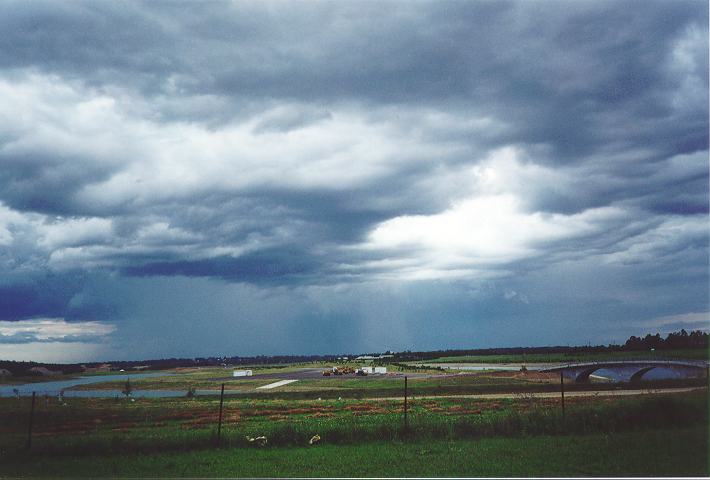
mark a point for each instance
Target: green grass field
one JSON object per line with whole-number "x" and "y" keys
{"x": 349, "y": 385}
{"x": 641, "y": 435}
{"x": 106, "y": 425}
{"x": 674, "y": 452}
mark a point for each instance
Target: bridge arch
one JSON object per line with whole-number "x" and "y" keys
{"x": 581, "y": 372}
{"x": 583, "y": 376}
{"x": 636, "y": 377}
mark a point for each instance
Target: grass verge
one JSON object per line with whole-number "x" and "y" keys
{"x": 672, "y": 452}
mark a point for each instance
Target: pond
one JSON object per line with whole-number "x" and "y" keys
{"x": 141, "y": 393}
{"x": 54, "y": 387}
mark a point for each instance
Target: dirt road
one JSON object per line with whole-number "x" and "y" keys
{"x": 592, "y": 393}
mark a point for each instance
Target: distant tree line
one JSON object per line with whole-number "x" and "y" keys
{"x": 675, "y": 340}
{"x": 23, "y": 368}
{"x": 19, "y": 368}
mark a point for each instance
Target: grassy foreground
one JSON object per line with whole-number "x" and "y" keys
{"x": 671, "y": 452}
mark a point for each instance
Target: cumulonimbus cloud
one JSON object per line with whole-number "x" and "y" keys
{"x": 350, "y": 144}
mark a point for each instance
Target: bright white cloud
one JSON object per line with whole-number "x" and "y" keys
{"x": 491, "y": 227}
{"x": 48, "y": 329}
{"x": 46, "y": 113}
{"x": 74, "y": 232}
{"x": 687, "y": 66}
{"x": 10, "y": 220}
{"x": 481, "y": 232}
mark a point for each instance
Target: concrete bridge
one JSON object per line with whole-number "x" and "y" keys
{"x": 638, "y": 368}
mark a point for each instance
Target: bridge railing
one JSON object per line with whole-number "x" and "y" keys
{"x": 620, "y": 361}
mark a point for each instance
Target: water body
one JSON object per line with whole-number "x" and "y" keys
{"x": 658, "y": 373}
{"x": 479, "y": 368}
{"x": 56, "y": 386}
{"x": 141, "y": 393}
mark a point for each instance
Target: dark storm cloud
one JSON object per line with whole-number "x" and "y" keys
{"x": 578, "y": 80}
{"x": 22, "y": 301}
{"x": 92, "y": 41}
{"x": 38, "y": 296}
{"x": 675, "y": 185}
{"x": 353, "y": 144}
{"x": 508, "y": 55}
{"x": 46, "y": 182}
{"x": 280, "y": 266}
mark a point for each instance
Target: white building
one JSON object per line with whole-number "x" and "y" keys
{"x": 242, "y": 373}
{"x": 370, "y": 370}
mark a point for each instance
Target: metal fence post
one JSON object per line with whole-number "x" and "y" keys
{"x": 219, "y": 425}
{"x": 562, "y": 389}
{"x": 406, "y": 423}
{"x": 32, "y": 417}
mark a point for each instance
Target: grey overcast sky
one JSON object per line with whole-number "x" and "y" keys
{"x": 184, "y": 179}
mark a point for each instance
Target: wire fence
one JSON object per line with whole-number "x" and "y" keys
{"x": 123, "y": 424}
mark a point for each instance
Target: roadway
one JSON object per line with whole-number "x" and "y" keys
{"x": 317, "y": 374}
{"x": 573, "y": 394}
